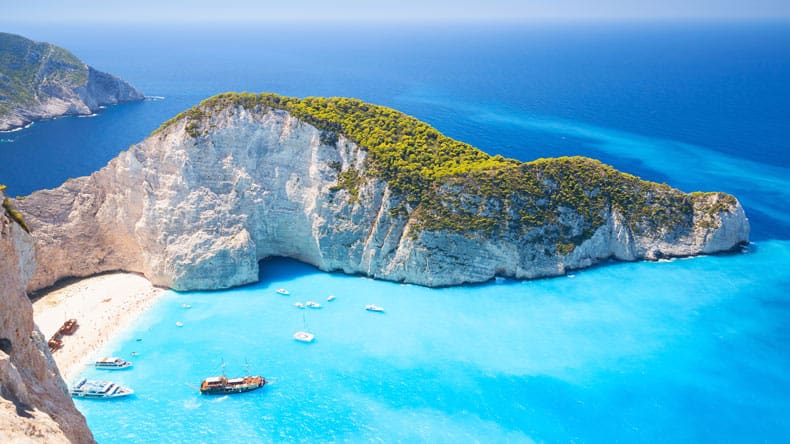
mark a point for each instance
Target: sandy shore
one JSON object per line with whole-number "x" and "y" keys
{"x": 103, "y": 306}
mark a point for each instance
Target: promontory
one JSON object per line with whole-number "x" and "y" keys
{"x": 349, "y": 186}
{"x": 40, "y": 81}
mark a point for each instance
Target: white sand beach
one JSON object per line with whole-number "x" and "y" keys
{"x": 103, "y": 306}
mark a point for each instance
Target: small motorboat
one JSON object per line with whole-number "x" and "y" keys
{"x": 186, "y": 306}
{"x": 179, "y": 324}
{"x": 376, "y": 308}
{"x": 299, "y": 305}
{"x": 303, "y": 336}
{"x": 282, "y": 291}
{"x": 99, "y": 389}
{"x": 312, "y": 304}
{"x": 112, "y": 363}
{"x": 330, "y": 298}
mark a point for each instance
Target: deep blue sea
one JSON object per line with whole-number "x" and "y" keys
{"x": 693, "y": 350}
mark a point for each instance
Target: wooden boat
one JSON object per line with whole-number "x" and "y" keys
{"x": 68, "y": 327}
{"x": 55, "y": 343}
{"x": 221, "y": 385}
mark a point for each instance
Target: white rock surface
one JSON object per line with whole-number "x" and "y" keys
{"x": 199, "y": 213}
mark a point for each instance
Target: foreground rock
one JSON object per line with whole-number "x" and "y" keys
{"x": 34, "y": 402}
{"x": 241, "y": 178}
{"x": 40, "y": 81}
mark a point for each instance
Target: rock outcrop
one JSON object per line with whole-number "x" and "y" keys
{"x": 198, "y": 204}
{"x": 34, "y": 403}
{"x": 40, "y": 81}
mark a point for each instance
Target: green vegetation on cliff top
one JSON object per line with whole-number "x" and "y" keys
{"x": 452, "y": 185}
{"x": 26, "y": 66}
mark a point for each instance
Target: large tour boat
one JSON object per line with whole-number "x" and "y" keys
{"x": 86, "y": 388}
{"x": 112, "y": 363}
{"x": 220, "y": 385}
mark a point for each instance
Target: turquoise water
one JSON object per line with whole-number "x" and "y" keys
{"x": 674, "y": 351}
{"x": 689, "y": 350}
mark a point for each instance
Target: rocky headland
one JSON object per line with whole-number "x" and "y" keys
{"x": 40, "y": 81}
{"x": 349, "y": 186}
{"x": 34, "y": 403}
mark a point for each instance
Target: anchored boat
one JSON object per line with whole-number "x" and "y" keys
{"x": 86, "y": 388}
{"x": 112, "y": 363}
{"x": 221, "y": 385}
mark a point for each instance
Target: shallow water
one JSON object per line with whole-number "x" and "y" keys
{"x": 684, "y": 350}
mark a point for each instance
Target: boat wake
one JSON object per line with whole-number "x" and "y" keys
{"x": 191, "y": 404}
{"x": 220, "y": 399}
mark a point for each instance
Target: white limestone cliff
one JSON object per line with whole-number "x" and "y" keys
{"x": 201, "y": 212}
{"x": 34, "y": 403}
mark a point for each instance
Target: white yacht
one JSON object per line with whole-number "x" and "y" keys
{"x": 312, "y": 304}
{"x": 86, "y": 388}
{"x": 376, "y": 308}
{"x": 112, "y": 363}
{"x": 330, "y": 298}
{"x": 282, "y": 291}
{"x": 303, "y": 336}
{"x": 299, "y": 305}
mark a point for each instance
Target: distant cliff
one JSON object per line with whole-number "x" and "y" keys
{"x": 34, "y": 403}
{"x": 40, "y": 81}
{"x": 353, "y": 187}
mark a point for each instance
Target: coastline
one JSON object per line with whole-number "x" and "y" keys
{"x": 103, "y": 305}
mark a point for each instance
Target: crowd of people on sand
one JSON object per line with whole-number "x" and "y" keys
{"x": 100, "y": 307}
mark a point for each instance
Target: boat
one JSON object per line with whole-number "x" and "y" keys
{"x": 179, "y": 324}
{"x": 312, "y": 304}
{"x": 330, "y": 298}
{"x": 304, "y": 335}
{"x": 86, "y": 388}
{"x": 221, "y": 385}
{"x": 68, "y": 327}
{"x": 186, "y": 306}
{"x": 112, "y": 363}
{"x": 55, "y": 343}
{"x": 282, "y": 291}
{"x": 376, "y": 308}
{"x": 299, "y": 305}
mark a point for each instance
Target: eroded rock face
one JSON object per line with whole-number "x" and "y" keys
{"x": 34, "y": 403}
{"x": 40, "y": 81}
{"x": 199, "y": 211}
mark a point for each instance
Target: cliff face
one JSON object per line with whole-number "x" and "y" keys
{"x": 198, "y": 204}
{"x": 40, "y": 81}
{"x": 34, "y": 402}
